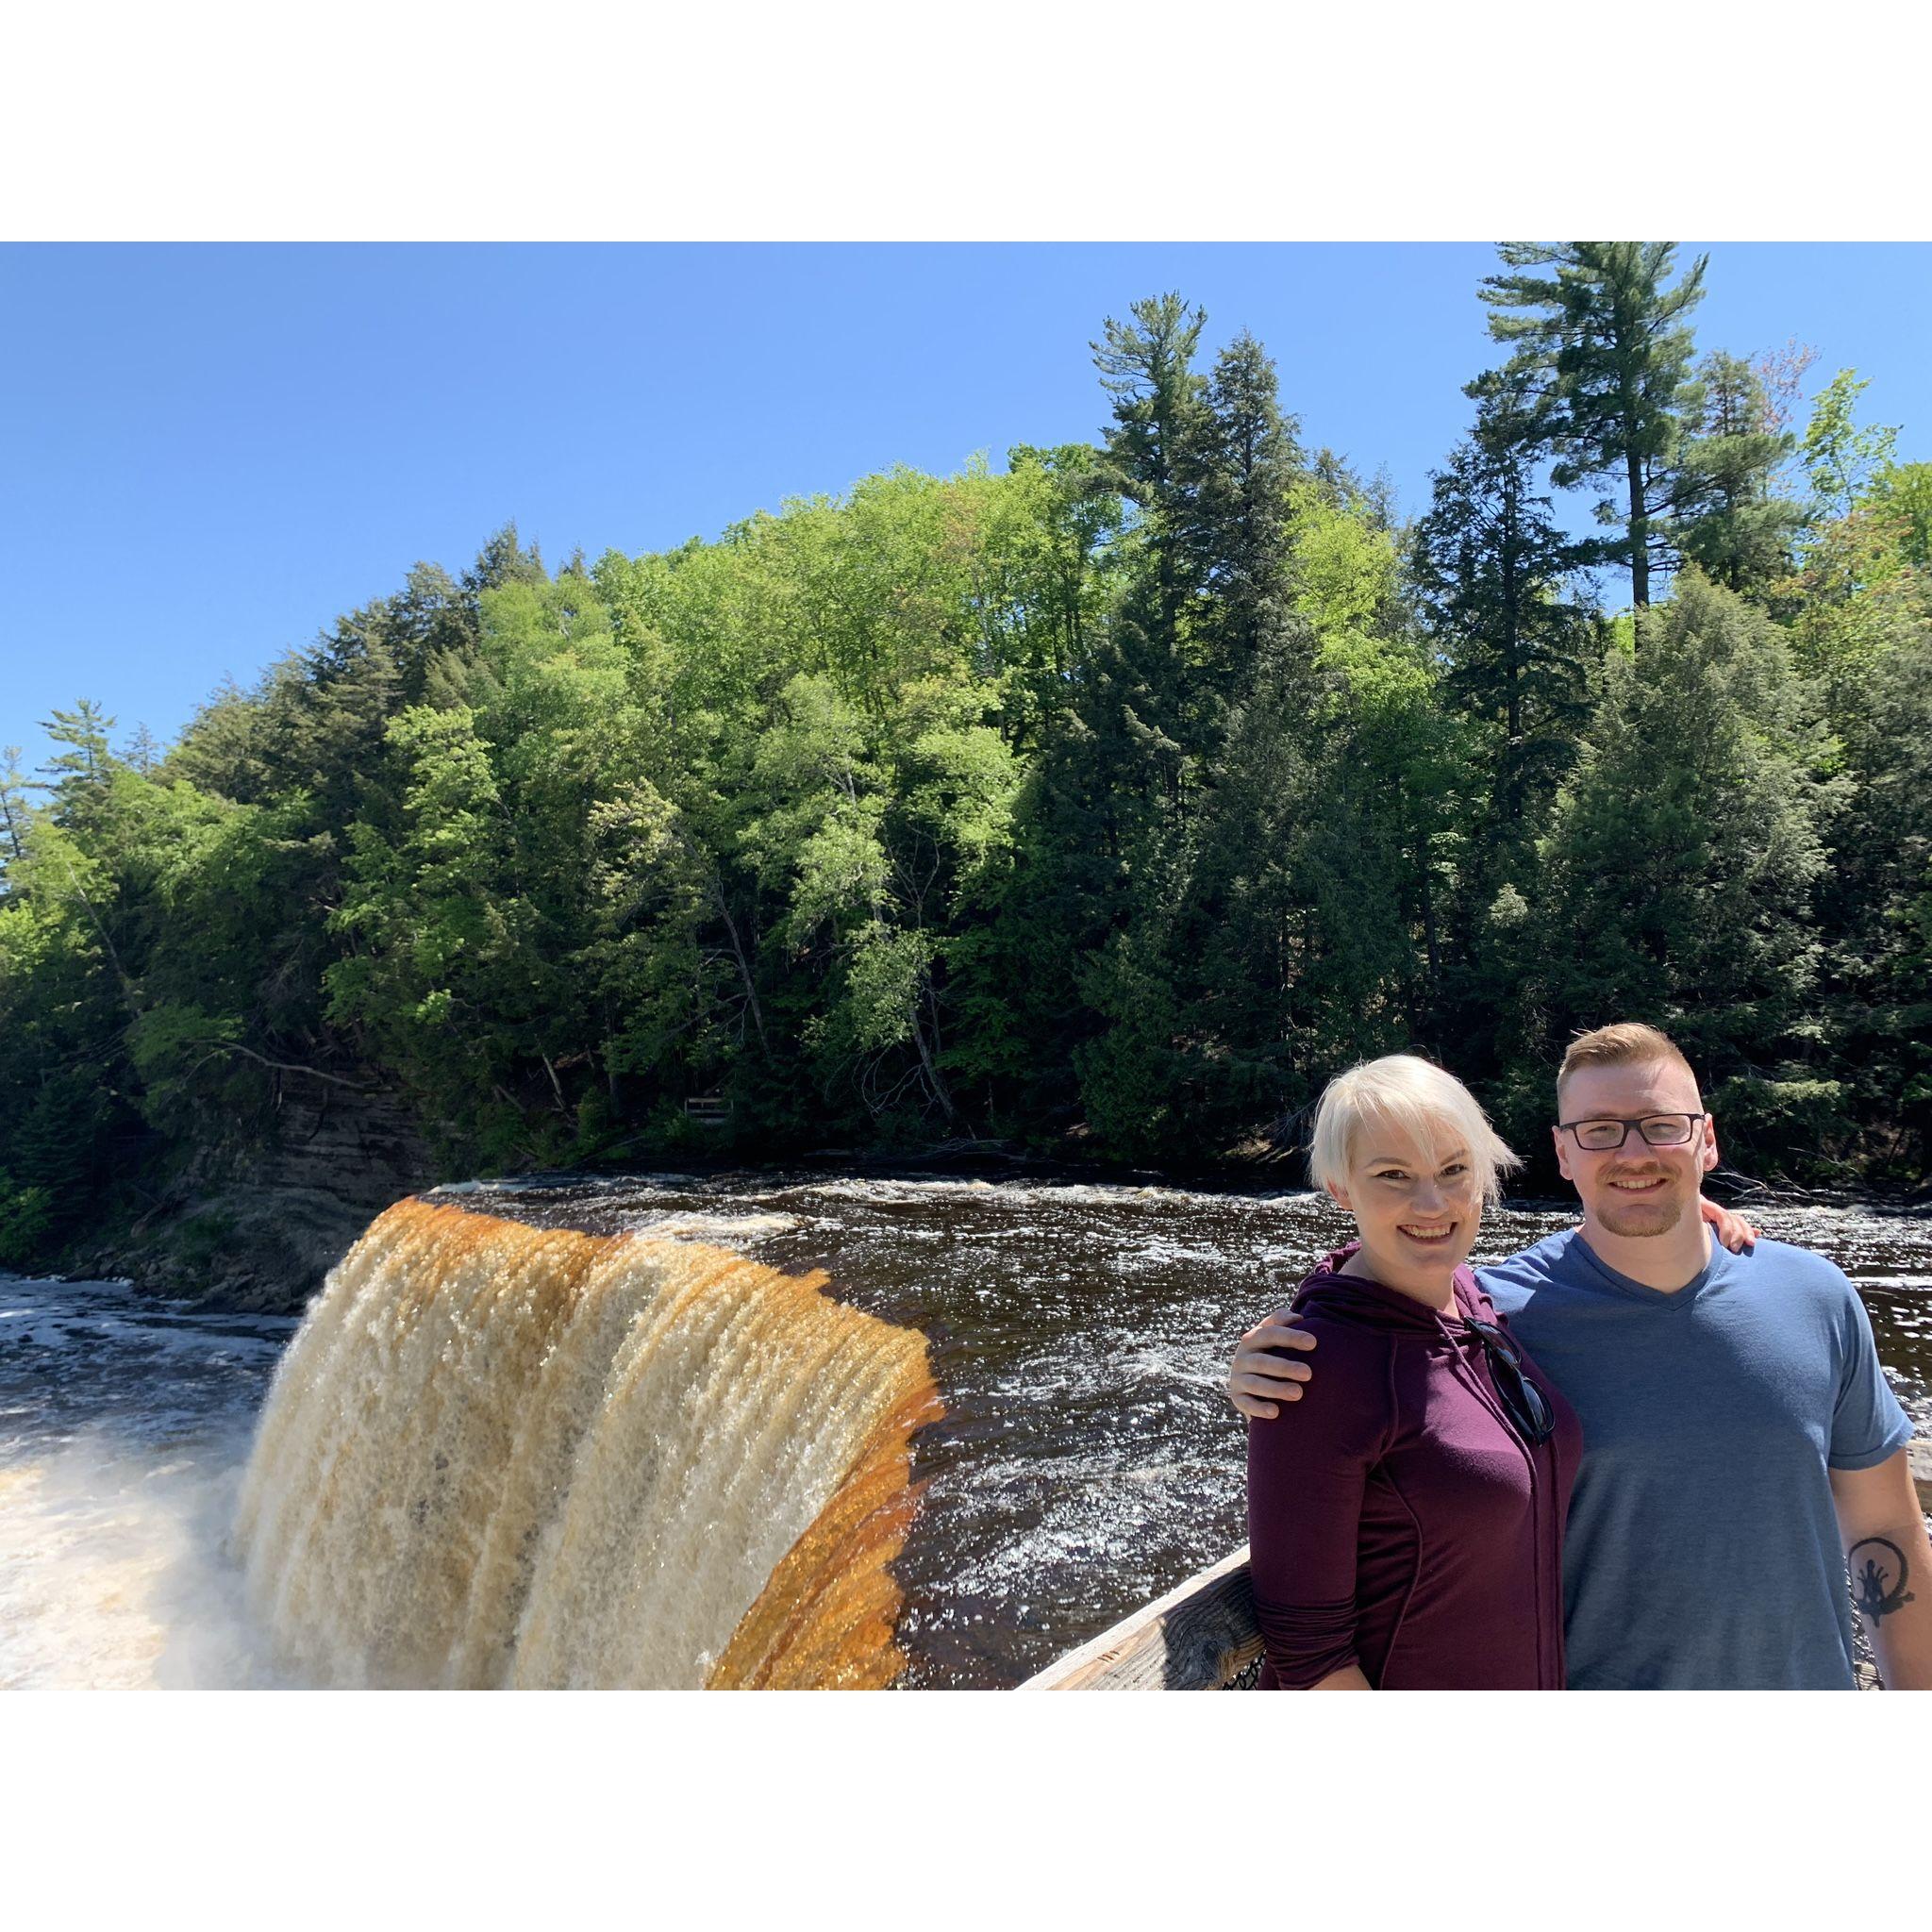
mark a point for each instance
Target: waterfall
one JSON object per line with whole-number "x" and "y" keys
{"x": 502, "y": 1455}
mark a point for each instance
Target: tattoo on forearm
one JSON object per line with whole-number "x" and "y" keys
{"x": 1878, "y": 1582}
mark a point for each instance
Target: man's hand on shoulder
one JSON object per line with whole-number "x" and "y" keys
{"x": 1260, "y": 1377}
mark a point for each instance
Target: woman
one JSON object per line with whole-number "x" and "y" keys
{"x": 1405, "y": 1532}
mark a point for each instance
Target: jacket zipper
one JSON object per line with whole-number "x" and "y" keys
{"x": 1484, "y": 1377}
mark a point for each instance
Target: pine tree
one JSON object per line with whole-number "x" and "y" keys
{"x": 15, "y": 809}
{"x": 1732, "y": 522}
{"x": 143, "y": 752}
{"x": 503, "y": 560}
{"x": 1491, "y": 564}
{"x": 1102, "y": 823}
{"x": 1684, "y": 854}
{"x": 1156, "y": 451}
{"x": 77, "y": 777}
{"x": 1251, "y": 461}
{"x": 1610, "y": 347}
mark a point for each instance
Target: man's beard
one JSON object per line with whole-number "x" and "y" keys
{"x": 1649, "y": 1214}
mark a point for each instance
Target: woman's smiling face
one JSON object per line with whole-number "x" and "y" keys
{"x": 1417, "y": 1208}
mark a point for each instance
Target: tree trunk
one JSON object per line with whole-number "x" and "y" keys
{"x": 1640, "y": 534}
{"x": 751, "y": 992}
{"x": 934, "y": 1078}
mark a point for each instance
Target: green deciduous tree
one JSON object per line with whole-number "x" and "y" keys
{"x": 1842, "y": 457}
{"x": 1902, "y": 493}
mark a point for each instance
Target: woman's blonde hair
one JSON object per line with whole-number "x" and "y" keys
{"x": 1432, "y": 1107}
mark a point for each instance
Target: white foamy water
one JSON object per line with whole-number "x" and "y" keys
{"x": 124, "y": 1427}
{"x": 113, "y": 1574}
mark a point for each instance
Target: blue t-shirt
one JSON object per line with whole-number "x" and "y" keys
{"x": 1702, "y": 1550}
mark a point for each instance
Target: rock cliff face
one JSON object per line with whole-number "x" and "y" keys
{"x": 258, "y": 1229}
{"x": 363, "y": 1150}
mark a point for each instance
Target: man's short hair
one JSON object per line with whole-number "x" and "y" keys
{"x": 1432, "y": 1107}
{"x": 1628, "y": 1043}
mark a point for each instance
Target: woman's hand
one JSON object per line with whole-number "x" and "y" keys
{"x": 1259, "y": 1379}
{"x": 1733, "y": 1230}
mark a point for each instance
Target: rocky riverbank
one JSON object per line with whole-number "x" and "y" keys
{"x": 257, "y": 1230}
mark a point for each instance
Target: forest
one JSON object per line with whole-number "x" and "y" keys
{"x": 1100, "y": 807}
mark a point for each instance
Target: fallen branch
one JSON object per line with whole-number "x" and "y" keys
{"x": 248, "y": 1052}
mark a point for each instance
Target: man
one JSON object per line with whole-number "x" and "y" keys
{"x": 1739, "y": 1443}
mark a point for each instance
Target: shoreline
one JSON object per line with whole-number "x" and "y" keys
{"x": 258, "y": 1247}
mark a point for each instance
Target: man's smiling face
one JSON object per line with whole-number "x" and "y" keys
{"x": 1635, "y": 1189}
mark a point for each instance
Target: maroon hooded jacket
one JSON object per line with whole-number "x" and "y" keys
{"x": 1397, "y": 1518}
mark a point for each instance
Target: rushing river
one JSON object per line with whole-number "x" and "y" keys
{"x": 1078, "y": 1333}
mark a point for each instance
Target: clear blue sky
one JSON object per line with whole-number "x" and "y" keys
{"x": 205, "y": 453}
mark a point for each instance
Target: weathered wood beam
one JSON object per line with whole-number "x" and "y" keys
{"x": 1200, "y": 1636}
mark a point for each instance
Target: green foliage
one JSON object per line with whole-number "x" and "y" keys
{"x": 1492, "y": 567}
{"x": 1841, "y": 457}
{"x": 27, "y": 1218}
{"x": 1902, "y": 495}
{"x": 1113, "y": 801}
{"x": 1732, "y": 522}
{"x": 1682, "y": 859}
{"x": 1876, "y": 900}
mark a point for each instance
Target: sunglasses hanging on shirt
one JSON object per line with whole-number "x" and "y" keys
{"x": 1526, "y": 1404}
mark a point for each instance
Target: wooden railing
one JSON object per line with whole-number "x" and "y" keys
{"x": 1200, "y": 1636}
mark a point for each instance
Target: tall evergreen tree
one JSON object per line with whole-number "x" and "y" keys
{"x": 1129, "y": 755}
{"x": 1104, "y": 822}
{"x": 82, "y": 769}
{"x": 143, "y": 752}
{"x": 1611, "y": 346}
{"x": 1491, "y": 565}
{"x": 15, "y": 809}
{"x": 503, "y": 560}
{"x": 1193, "y": 1049}
{"x": 1732, "y": 522}
{"x": 1156, "y": 450}
{"x": 1680, "y": 867}
{"x": 1251, "y": 461}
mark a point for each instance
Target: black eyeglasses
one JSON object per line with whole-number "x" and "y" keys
{"x": 1658, "y": 1130}
{"x": 1526, "y": 1405}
